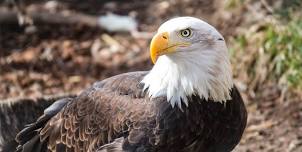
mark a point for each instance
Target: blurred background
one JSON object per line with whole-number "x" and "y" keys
{"x": 61, "y": 47}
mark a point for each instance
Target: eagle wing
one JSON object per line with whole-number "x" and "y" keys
{"x": 114, "y": 115}
{"x": 101, "y": 114}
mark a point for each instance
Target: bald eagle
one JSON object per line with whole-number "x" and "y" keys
{"x": 186, "y": 103}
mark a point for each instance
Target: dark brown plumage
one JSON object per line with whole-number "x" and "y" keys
{"x": 15, "y": 113}
{"x": 115, "y": 115}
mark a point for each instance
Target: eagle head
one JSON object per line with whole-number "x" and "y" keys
{"x": 190, "y": 58}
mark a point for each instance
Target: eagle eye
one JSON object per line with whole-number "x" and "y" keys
{"x": 186, "y": 33}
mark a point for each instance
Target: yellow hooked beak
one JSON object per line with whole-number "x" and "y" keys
{"x": 160, "y": 45}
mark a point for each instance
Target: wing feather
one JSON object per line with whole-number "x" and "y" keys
{"x": 96, "y": 117}
{"x": 114, "y": 116}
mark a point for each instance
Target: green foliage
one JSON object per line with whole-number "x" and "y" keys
{"x": 242, "y": 41}
{"x": 270, "y": 49}
{"x": 288, "y": 8}
{"x": 229, "y": 4}
{"x": 281, "y": 47}
{"x": 284, "y": 46}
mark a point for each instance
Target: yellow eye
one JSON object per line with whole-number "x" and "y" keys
{"x": 186, "y": 33}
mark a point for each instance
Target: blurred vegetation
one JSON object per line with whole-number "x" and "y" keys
{"x": 276, "y": 45}
{"x": 289, "y": 7}
{"x": 285, "y": 50}
{"x": 229, "y": 4}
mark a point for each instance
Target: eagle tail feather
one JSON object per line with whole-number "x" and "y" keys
{"x": 29, "y": 138}
{"x": 15, "y": 113}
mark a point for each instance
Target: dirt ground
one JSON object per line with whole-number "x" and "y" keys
{"x": 57, "y": 59}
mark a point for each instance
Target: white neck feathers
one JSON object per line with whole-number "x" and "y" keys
{"x": 205, "y": 73}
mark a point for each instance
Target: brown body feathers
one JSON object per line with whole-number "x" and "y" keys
{"x": 115, "y": 115}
